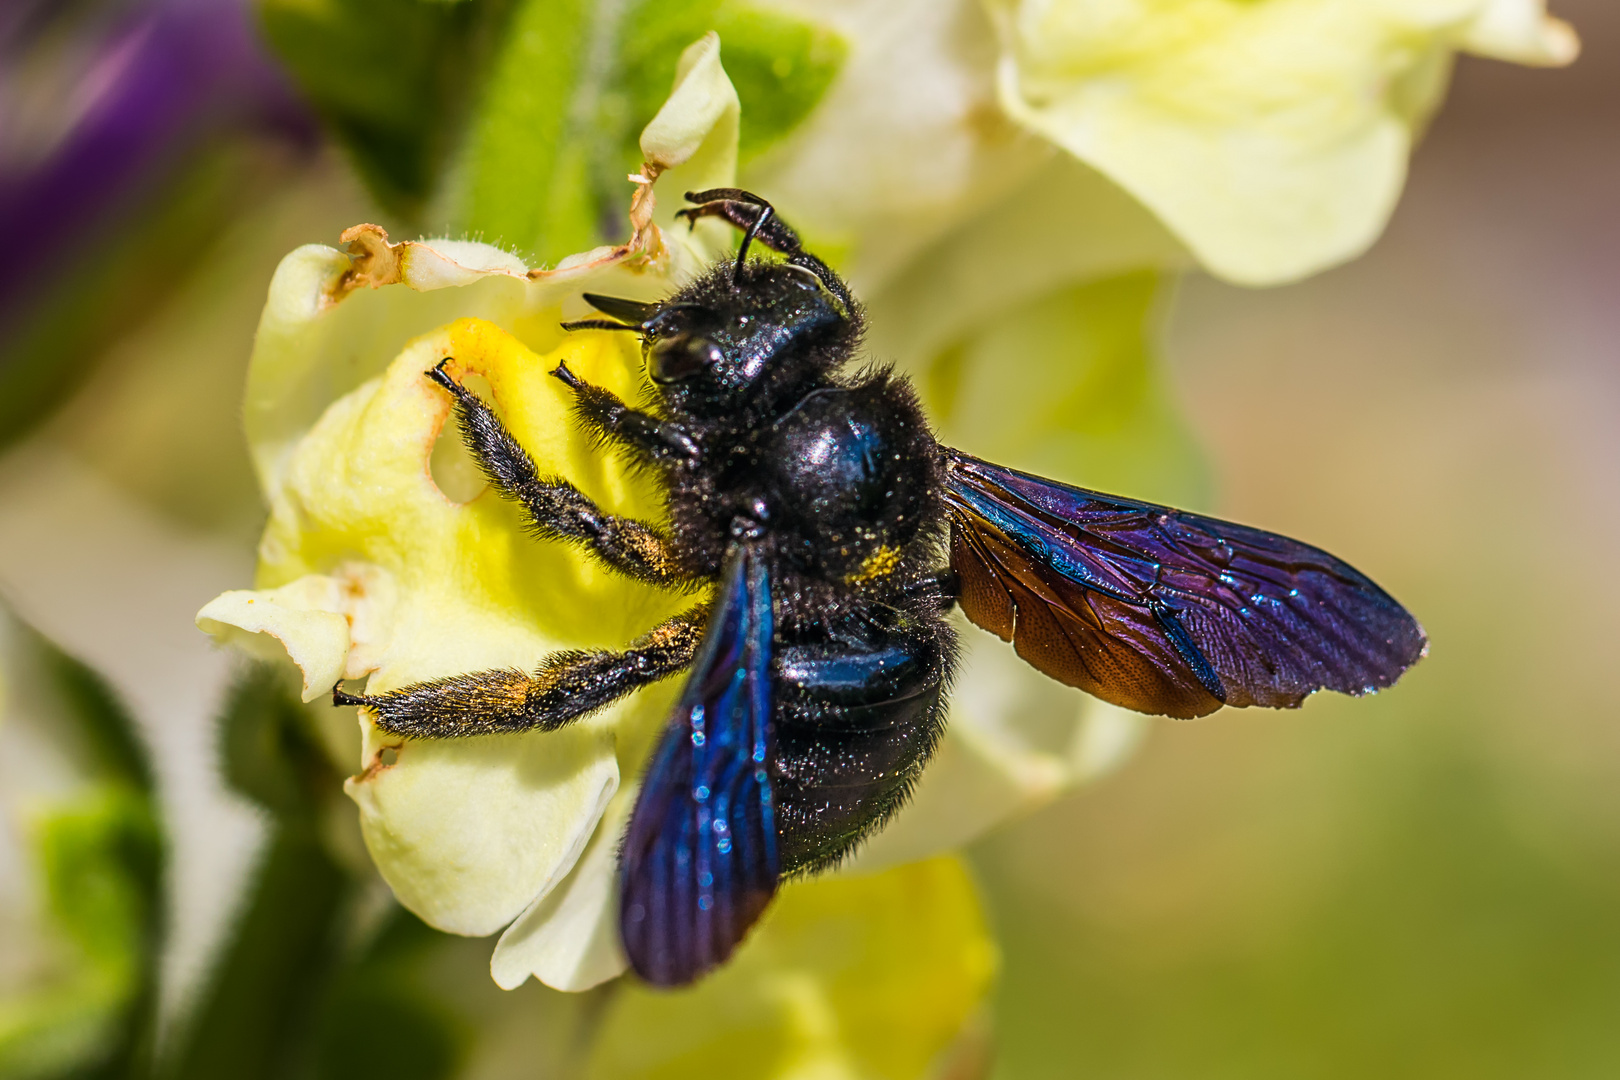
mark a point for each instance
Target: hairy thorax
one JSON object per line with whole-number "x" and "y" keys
{"x": 840, "y": 482}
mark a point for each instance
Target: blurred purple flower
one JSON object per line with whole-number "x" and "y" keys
{"x": 124, "y": 91}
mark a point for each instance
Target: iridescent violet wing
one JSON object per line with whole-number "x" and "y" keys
{"x": 1163, "y": 611}
{"x": 700, "y": 861}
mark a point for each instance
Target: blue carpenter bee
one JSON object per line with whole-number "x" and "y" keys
{"x": 824, "y": 508}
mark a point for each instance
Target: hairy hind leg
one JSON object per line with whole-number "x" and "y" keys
{"x": 565, "y": 687}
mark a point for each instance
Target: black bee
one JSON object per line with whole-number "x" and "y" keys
{"x": 822, "y": 505}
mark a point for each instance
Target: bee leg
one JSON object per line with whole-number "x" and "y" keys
{"x": 565, "y": 687}
{"x": 652, "y": 439}
{"x": 556, "y": 509}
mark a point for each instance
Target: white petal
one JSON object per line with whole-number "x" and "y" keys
{"x": 569, "y": 939}
{"x": 471, "y": 831}
{"x": 701, "y": 111}
{"x": 303, "y": 617}
{"x": 1521, "y": 31}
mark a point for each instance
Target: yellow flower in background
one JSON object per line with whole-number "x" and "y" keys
{"x": 1271, "y": 137}
{"x": 846, "y": 978}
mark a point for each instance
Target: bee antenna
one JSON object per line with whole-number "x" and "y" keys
{"x": 597, "y": 324}
{"x": 765, "y": 211}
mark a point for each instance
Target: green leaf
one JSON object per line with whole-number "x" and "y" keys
{"x": 526, "y": 168}
{"x": 267, "y": 753}
{"x": 386, "y": 991}
{"x": 555, "y": 134}
{"x": 108, "y": 730}
{"x": 254, "y": 1019}
{"x": 307, "y": 985}
{"x": 391, "y": 78}
{"x": 101, "y": 859}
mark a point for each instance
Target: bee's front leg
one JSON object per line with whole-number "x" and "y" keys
{"x": 556, "y": 509}
{"x": 656, "y": 440}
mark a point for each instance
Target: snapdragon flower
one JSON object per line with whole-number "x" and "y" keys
{"x": 369, "y": 570}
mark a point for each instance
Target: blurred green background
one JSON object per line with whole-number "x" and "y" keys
{"x": 1420, "y": 884}
{"x": 1425, "y": 883}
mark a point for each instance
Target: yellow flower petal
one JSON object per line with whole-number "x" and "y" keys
{"x": 468, "y": 832}
{"x": 1272, "y": 137}
{"x": 368, "y": 569}
{"x": 870, "y": 976}
{"x": 303, "y": 617}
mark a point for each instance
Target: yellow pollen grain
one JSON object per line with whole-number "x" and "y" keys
{"x": 880, "y": 564}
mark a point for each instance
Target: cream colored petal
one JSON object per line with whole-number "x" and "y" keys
{"x": 569, "y": 939}
{"x": 1259, "y": 199}
{"x": 693, "y": 139}
{"x": 468, "y": 832}
{"x": 331, "y": 626}
{"x": 443, "y": 264}
{"x": 699, "y": 118}
{"x": 907, "y": 143}
{"x": 308, "y": 629}
{"x": 1523, "y": 32}
{"x": 1272, "y": 138}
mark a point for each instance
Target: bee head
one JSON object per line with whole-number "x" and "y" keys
{"x": 729, "y": 339}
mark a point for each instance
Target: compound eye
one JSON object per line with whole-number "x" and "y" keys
{"x": 680, "y": 356}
